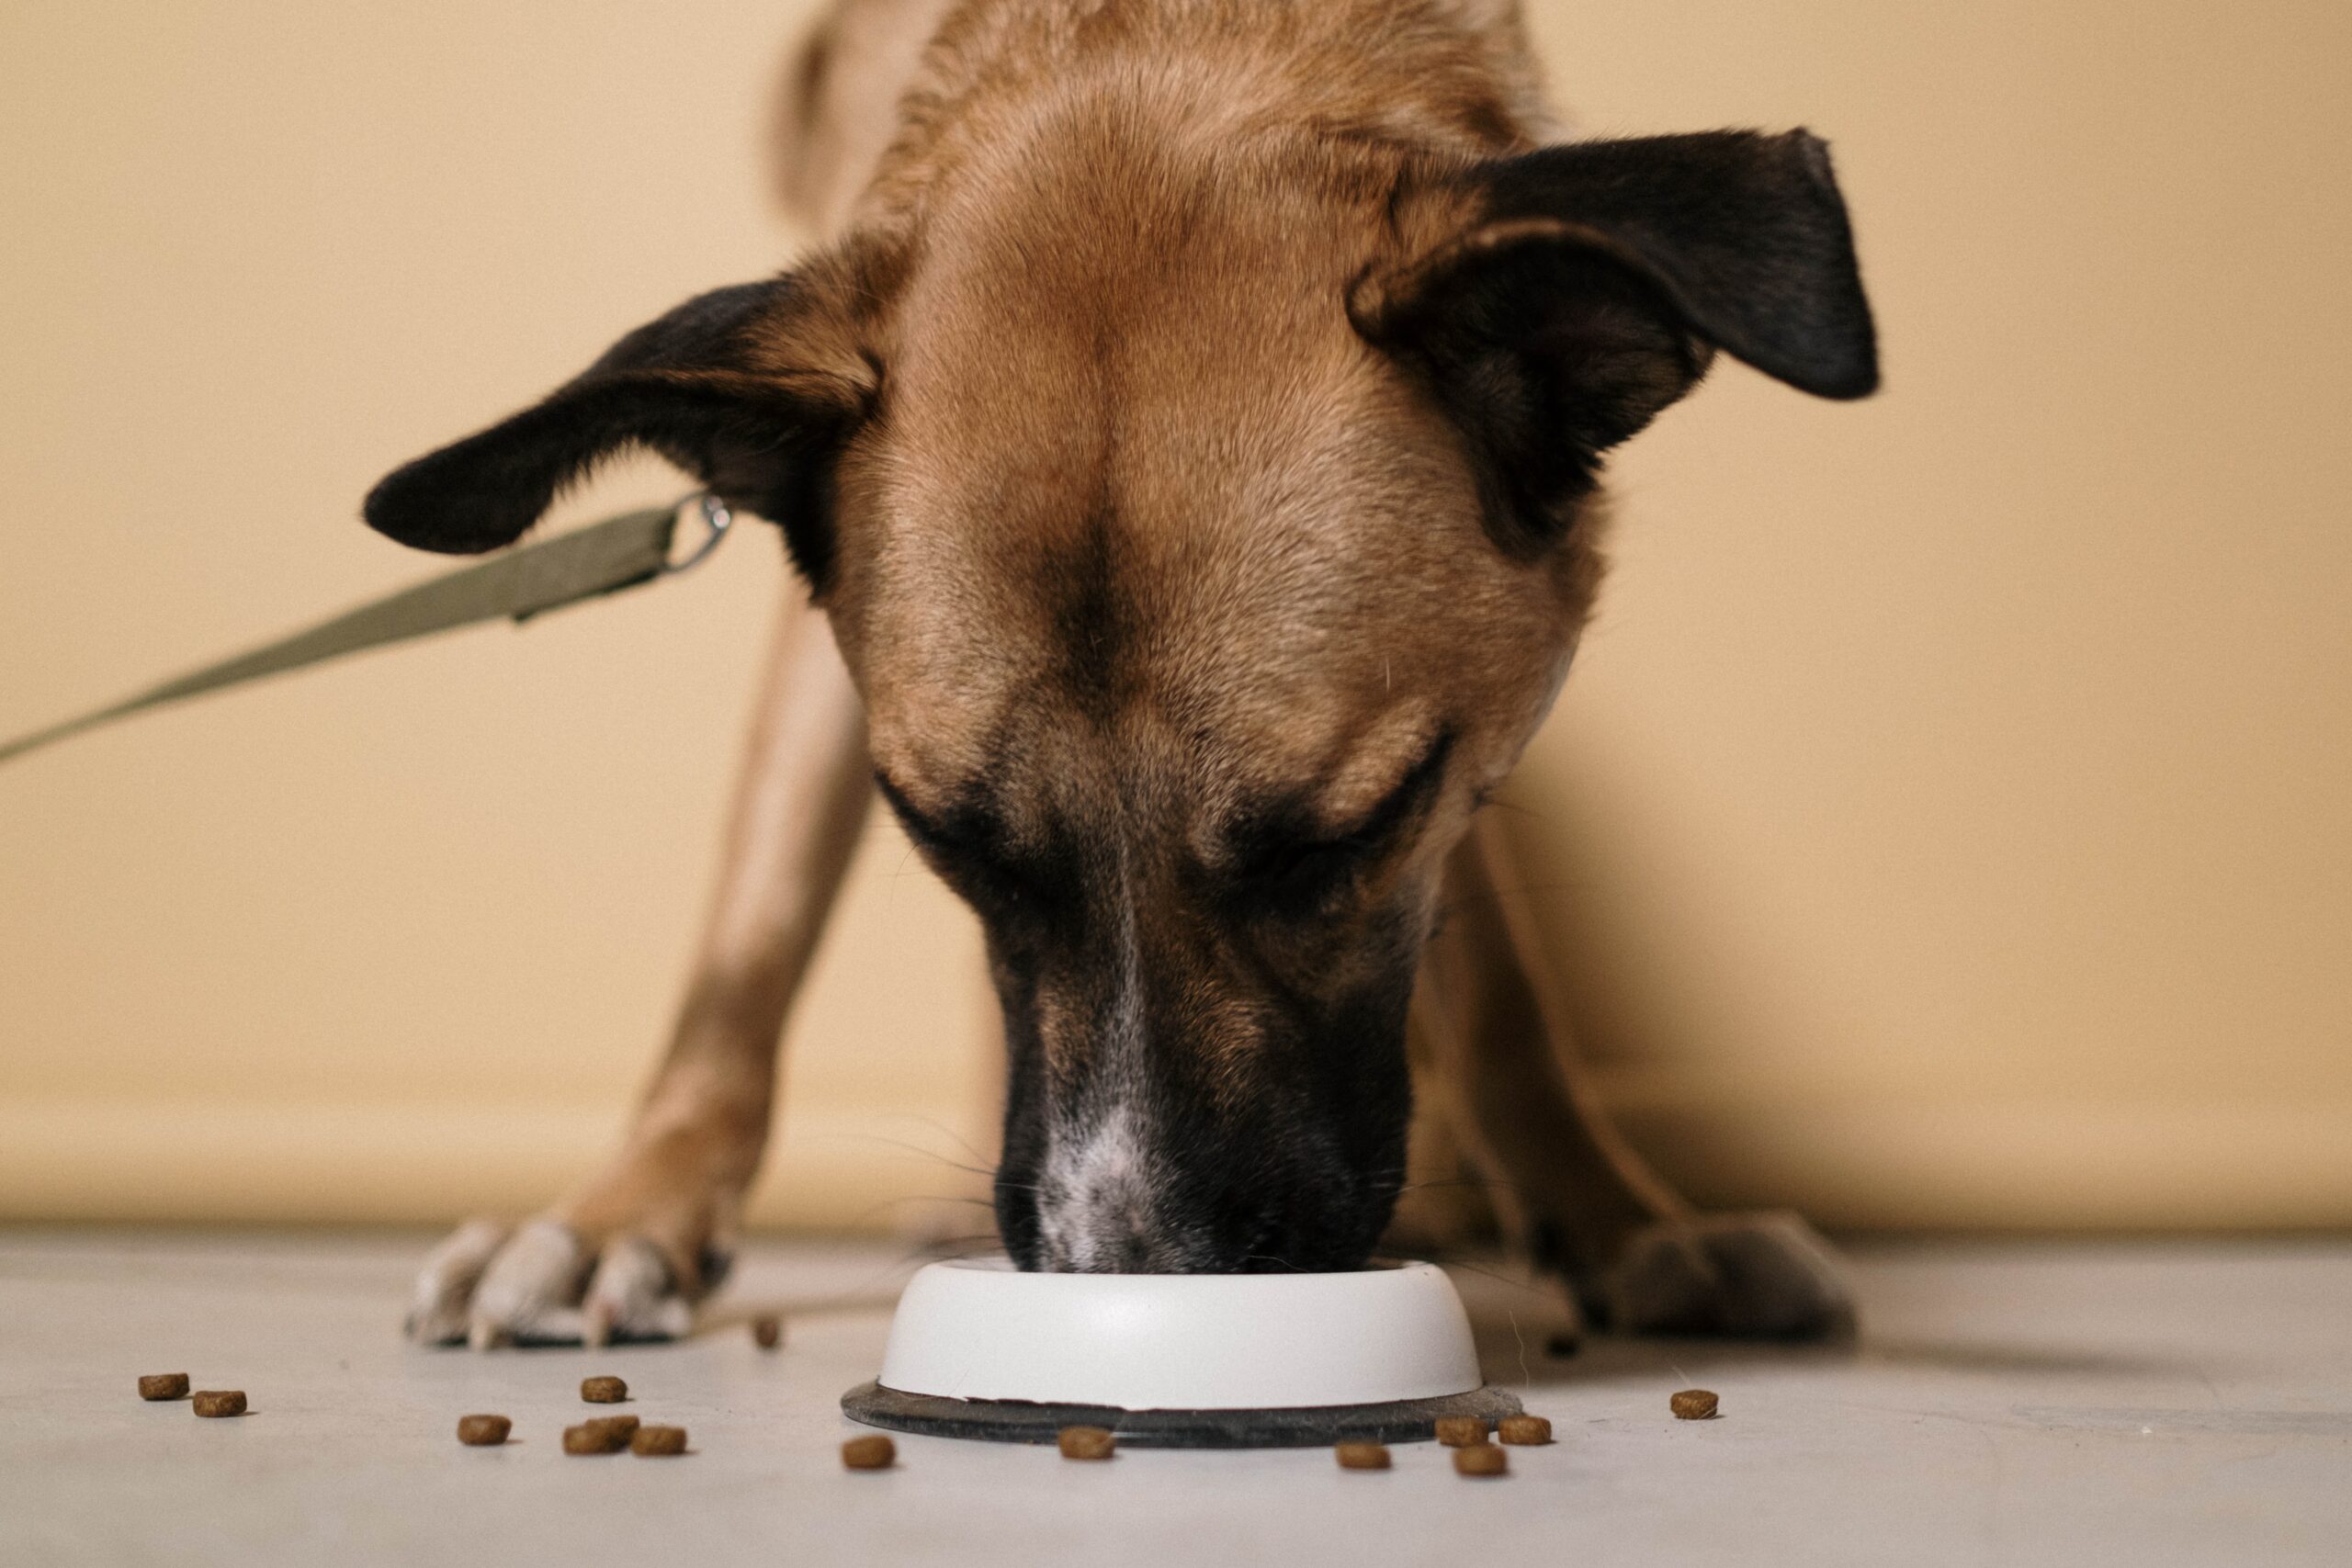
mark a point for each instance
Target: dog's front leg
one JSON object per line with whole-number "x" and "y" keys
{"x": 1516, "y": 1103}
{"x": 630, "y": 1250}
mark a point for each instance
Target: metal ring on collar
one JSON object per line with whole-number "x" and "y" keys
{"x": 717, "y": 518}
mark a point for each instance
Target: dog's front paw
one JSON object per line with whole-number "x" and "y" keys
{"x": 544, "y": 1285}
{"x": 1765, "y": 1276}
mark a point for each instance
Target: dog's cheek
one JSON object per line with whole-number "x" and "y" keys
{"x": 1363, "y": 1057}
{"x": 1364, "y": 1093}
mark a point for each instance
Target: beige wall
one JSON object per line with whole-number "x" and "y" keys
{"x": 1950, "y": 822}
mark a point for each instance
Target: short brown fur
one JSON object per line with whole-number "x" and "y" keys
{"x": 1140, "y": 530}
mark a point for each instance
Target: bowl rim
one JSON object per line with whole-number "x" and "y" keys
{"x": 979, "y": 1328}
{"x": 1002, "y": 1263}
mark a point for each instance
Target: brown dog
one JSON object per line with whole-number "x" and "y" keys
{"x": 1190, "y": 442}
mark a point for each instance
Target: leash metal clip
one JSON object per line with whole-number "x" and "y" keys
{"x": 716, "y": 517}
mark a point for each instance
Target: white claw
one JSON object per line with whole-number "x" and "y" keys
{"x": 634, "y": 1292}
{"x": 528, "y": 1290}
{"x": 445, "y": 1285}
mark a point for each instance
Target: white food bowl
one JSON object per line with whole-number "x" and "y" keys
{"x": 980, "y": 1349}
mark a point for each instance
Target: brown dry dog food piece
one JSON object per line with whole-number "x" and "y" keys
{"x": 621, "y": 1427}
{"x": 1694, "y": 1405}
{"x": 603, "y": 1390}
{"x": 1461, "y": 1431}
{"x": 1481, "y": 1459}
{"x": 1361, "y": 1456}
{"x": 1523, "y": 1430}
{"x": 483, "y": 1431}
{"x": 1086, "y": 1442}
{"x": 869, "y": 1453}
{"x": 594, "y": 1437}
{"x": 163, "y": 1386}
{"x": 659, "y": 1440}
{"x": 767, "y": 1333}
{"x": 220, "y": 1402}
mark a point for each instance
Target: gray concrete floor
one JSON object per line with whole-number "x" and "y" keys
{"x": 2142, "y": 1404}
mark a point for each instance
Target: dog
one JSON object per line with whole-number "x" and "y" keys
{"x": 1190, "y": 440}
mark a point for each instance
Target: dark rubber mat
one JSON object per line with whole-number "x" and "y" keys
{"x": 1019, "y": 1421}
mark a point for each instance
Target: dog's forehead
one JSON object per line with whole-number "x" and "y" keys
{"x": 1282, "y": 615}
{"x": 1253, "y": 571}
{"x": 1141, "y": 481}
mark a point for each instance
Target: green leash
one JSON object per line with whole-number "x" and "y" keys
{"x": 587, "y": 563}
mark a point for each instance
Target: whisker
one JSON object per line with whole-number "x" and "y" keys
{"x": 1483, "y": 1183}
{"x": 912, "y": 1148}
{"x": 1455, "y": 1258}
{"x": 953, "y": 1136}
{"x": 943, "y": 1249}
{"x": 868, "y": 1212}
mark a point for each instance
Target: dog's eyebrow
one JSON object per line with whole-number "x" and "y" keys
{"x": 1408, "y": 794}
{"x": 917, "y": 822}
{"x": 1286, "y": 821}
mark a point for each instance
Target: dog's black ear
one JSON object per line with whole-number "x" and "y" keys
{"x": 751, "y": 388}
{"x": 1591, "y": 284}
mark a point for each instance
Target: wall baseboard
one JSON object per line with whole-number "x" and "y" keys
{"x": 1899, "y": 1164}
{"x": 893, "y": 1171}
{"x": 1845, "y": 1163}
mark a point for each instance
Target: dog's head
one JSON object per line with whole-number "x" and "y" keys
{"x": 1206, "y": 542}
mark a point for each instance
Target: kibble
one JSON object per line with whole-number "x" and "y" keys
{"x": 163, "y": 1386}
{"x": 875, "y": 1452}
{"x": 220, "y": 1402}
{"x": 1524, "y": 1430}
{"x": 767, "y": 1333}
{"x": 1694, "y": 1405}
{"x": 1361, "y": 1456}
{"x": 1481, "y": 1459}
{"x": 603, "y": 1390}
{"x": 594, "y": 1437}
{"x": 1461, "y": 1431}
{"x": 1086, "y": 1442}
{"x": 483, "y": 1431}
{"x": 622, "y": 1427}
{"x": 658, "y": 1441}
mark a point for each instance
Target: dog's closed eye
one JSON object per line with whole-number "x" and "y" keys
{"x": 933, "y": 832}
{"x": 967, "y": 849}
{"x": 1291, "y": 864}
{"x": 1305, "y": 872}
